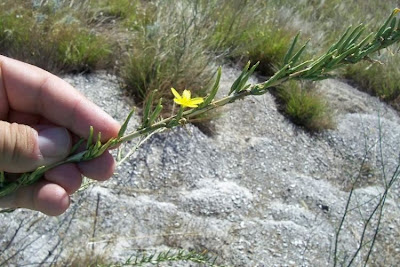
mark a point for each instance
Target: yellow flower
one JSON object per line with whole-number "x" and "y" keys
{"x": 396, "y": 10}
{"x": 185, "y": 99}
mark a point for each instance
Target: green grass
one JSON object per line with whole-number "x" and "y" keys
{"x": 268, "y": 46}
{"x": 123, "y": 12}
{"x": 304, "y": 106}
{"x": 51, "y": 39}
{"x": 378, "y": 79}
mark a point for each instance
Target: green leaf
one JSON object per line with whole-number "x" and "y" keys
{"x": 319, "y": 63}
{"x": 341, "y": 57}
{"x": 125, "y": 124}
{"x": 385, "y": 24}
{"x": 242, "y": 85}
{"x": 283, "y": 71}
{"x": 299, "y": 67}
{"x": 90, "y": 138}
{"x": 149, "y": 104}
{"x": 393, "y": 23}
{"x": 358, "y": 35}
{"x": 341, "y": 40}
{"x": 348, "y": 41}
{"x": 365, "y": 40}
{"x": 386, "y": 33}
{"x": 213, "y": 91}
{"x": 289, "y": 53}
{"x": 239, "y": 79}
{"x": 373, "y": 47}
{"x": 156, "y": 112}
{"x": 76, "y": 146}
{"x": 296, "y": 57}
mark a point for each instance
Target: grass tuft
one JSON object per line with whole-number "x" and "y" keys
{"x": 304, "y": 106}
{"x": 168, "y": 53}
{"x": 381, "y": 80}
{"x": 268, "y": 45}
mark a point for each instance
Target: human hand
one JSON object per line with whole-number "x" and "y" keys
{"x": 41, "y": 117}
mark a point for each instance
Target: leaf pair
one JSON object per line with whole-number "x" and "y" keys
{"x": 149, "y": 115}
{"x": 240, "y": 83}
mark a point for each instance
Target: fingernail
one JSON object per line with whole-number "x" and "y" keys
{"x": 54, "y": 142}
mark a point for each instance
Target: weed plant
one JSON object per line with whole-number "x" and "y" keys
{"x": 352, "y": 47}
{"x": 173, "y": 47}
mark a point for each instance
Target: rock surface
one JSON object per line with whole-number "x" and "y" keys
{"x": 259, "y": 192}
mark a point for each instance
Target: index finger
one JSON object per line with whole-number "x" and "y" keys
{"x": 35, "y": 91}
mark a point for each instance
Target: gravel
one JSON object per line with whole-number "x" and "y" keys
{"x": 258, "y": 192}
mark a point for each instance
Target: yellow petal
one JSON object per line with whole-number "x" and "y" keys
{"x": 186, "y": 94}
{"x": 190, "y": 105}
{"x": 396, "y": 10}
{"x": 175, "y": 93}
{"x": 196, "y": 100}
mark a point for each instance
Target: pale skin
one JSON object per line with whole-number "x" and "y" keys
{"x": 31, "y": 102}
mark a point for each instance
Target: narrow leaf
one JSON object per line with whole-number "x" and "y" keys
{"x": 125, "y": 124}
{"x": 370, "y": 49}
{"x": 147, "y": 108}
{"x": 341, "y": 40}
{"x": 393, "y": 24}
{"x": 90, "y": 138}
{"x": 358, "y": 35}
{"x": 76, "y": 146}
{"x": 348, "y": 40}
{"x": 318, "y": 64}
{"x": 239, "y": 79}
{"x": 246, "y": 77}
{"x": 386, "y": 33}
{"x": 290, "y": 51}
{"x": 385, "y": 24}
{"x": 296, "y": 56}
{"x": 156, "y": 112}
{"x": 341, "y": 57}
{"x": 365, "y": 40}
{"x": 299, "y": 67}
{"x": 214, "y": 89}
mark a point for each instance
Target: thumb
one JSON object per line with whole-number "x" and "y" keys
{"x": 23, "y": 148}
